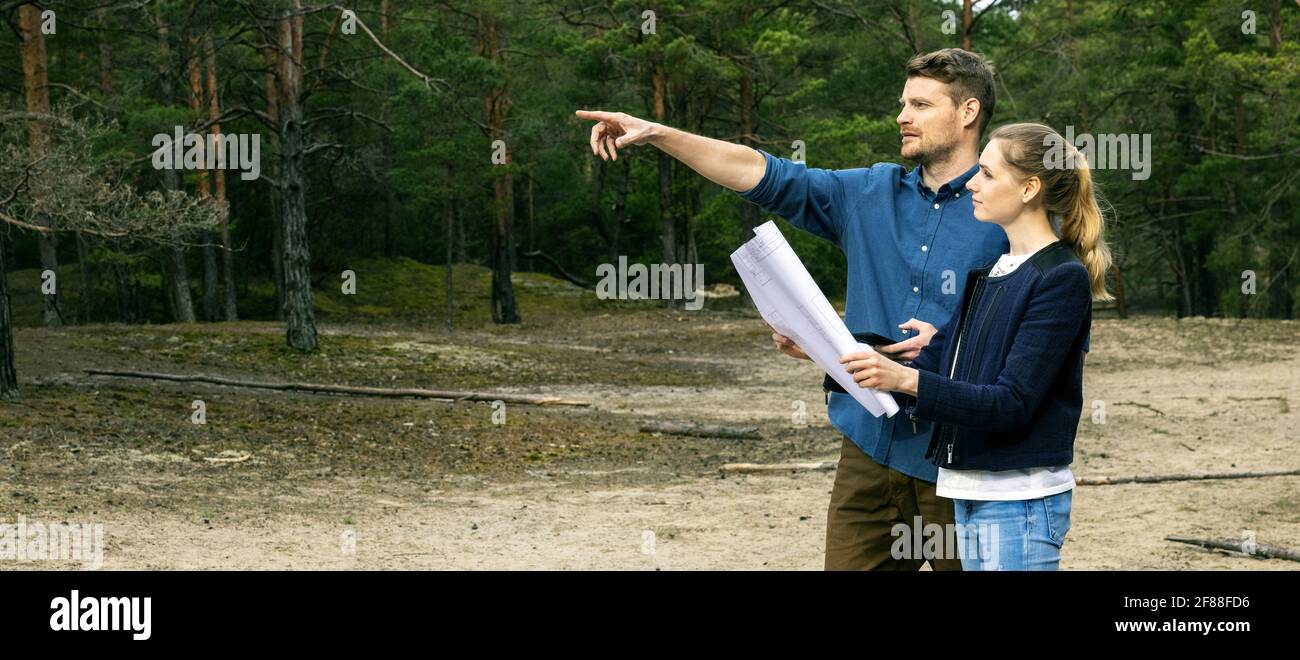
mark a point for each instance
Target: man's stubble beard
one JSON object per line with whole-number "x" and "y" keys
{"x": 929, "y": 155}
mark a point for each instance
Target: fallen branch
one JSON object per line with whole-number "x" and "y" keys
{"x": 701, "y": 430}
{"x": 228, "y": 459}
{"x": 1256, "y": 550}
{"x": 760, "y": 468}
{"x": 1078, "y": 481}
{"x": 556, "y": 265}
{"x": 1158, "y": 478}
{"x": 346, "y": 389}
{"x": 1141, "y": 405}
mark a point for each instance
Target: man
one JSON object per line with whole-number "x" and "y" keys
{"x": 909, "y": 237}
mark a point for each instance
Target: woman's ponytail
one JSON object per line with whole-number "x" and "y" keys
{"x": 1081, "y": 227}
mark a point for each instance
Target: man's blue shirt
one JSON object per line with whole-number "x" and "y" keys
{"x": 908, "y": 251}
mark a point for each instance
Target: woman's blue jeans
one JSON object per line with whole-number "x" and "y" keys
{"x": 1016, "y": 535}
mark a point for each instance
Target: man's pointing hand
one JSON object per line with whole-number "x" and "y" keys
{"x": 614, "y": 130}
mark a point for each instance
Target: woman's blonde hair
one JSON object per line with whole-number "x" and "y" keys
{"x": 1037, "y": 150}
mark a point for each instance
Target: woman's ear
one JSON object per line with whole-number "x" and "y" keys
{"x": 1030, "y": 189}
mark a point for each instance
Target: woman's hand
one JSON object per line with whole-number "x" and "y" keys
{"x": 871, "y": 369}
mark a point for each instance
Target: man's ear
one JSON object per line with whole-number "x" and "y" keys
{"x": 970, "y": 112}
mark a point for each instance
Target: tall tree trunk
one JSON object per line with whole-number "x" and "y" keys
{"x": 300, "y": 314}
{"x": 105, "y": 53}
{"x": 126, "y": 304}
{"x": 450, "y": 217}
{"x": 211, "y": 297}
{"x": 273, "y": 166}
{"x": 1281, "y": 302}
{"x": 179, "y": 278}
{"x": 1275, "y": 26}
{"x": 229, "y": 310}
{"x": 532, "y": 225}
{"x": 504, "y": 308}
{"x": 749, "y": 214}
{"x": 174, "y": 261}
{"x": 86, "y": 301}
{"x": 1209, "y": 300}
{"x": 137, "y": 295}
{"x": 598, "y": 206}
{"x": 669, "y": 225}
{"x": 53, "y": 310}
{"x": 497, "y": 105}
{"x": 1121, "y": 306}
{"x": 390, "y": 191}
{"x": 967, "y": 23}
{"x": 211, "y": 287}
{"x": 1076, "y": 50}
{"x": 36, "y": 91}
{"x": 667, "y": 221}
{"x": 620, "y": 211}
{"x": 461, "y": 256}
{"x": 8, "y": 375}
{"x": 83, "y": 302}
{"x": 165, "y": 269}
{"x": 390, "y": 208}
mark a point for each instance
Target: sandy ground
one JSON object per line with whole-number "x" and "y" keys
{"x": 743, "y": 523}
{"x": 1178, "y": 397}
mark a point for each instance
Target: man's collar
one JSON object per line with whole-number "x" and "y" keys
{"x": 955, "y": 186}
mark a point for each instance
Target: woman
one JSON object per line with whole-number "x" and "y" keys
{"x": 1003, "y": 379}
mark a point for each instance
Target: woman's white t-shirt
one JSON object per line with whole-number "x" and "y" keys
{"x": 1002, "y": 485}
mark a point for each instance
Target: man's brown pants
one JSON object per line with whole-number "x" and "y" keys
{"x": 868, "y": 499}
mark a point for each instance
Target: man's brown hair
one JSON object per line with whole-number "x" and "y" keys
{"x": 967, "y": 74}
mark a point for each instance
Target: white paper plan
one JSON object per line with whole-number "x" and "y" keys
{"x": 790, "y": 302}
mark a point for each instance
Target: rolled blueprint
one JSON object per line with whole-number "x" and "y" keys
{"x": 791, "y": 303}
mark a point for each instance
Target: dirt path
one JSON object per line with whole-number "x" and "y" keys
{"x": 770, "y": 522}
{"x": 584, "y": 492}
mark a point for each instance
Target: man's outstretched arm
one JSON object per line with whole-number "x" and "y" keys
{"x": 732, "y": 166}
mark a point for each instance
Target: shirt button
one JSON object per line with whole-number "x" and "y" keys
{"x": 957, "y": 195}
{"x": 936, "y": 206}
{"x": 915, "y": 289}
{"x": 925, "y": 248}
